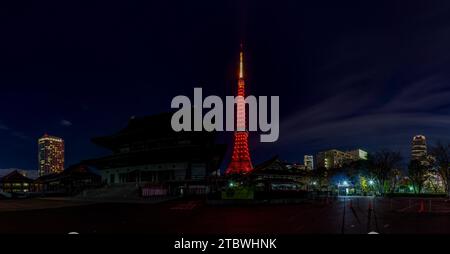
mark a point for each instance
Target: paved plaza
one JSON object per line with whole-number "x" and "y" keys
{"x": 344, "y": 215}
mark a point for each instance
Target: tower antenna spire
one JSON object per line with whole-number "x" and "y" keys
{"x": 241, "y": 62}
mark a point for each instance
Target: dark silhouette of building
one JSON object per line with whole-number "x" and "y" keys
{"x": 71, "y": 181}
{"x": 275, "y": 174}
{"x": 148, "y": 152}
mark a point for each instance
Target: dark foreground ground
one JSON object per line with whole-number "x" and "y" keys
{"x": 337, "y": 216}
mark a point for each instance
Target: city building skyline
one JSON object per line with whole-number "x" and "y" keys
{"x": 50, "y": 155}
{"x": 329, "y": 95}
{"x": 234, "y": 125}
{"x": 418, "y": 146}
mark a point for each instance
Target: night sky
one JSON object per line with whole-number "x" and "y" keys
{"x": 368, "y": 74}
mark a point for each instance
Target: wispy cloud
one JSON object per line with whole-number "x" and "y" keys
{"x": 355, "y": 117}
{"x": 12, "y": 132}
{"x": 19, "y": 134}
{"x": 402, "y": 90}
{"x": 426, "y": 94}
{"x": 65, "y": 123}
{"x": 3, "y": 127}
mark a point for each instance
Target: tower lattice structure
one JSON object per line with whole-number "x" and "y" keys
{"x": 240, "y": 160}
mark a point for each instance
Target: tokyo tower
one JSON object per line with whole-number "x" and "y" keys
{"x": 240, "y": 160}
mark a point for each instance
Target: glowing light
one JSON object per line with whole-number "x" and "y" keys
{"x": 241, "y": 66}
{"x": 371, "y": 182}
{"x": 345, "y": 183}
{"x": 241, "y": 63}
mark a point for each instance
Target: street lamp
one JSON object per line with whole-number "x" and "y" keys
{"x": 344, "y": 184}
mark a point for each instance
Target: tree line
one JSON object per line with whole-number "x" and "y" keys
{"x": 385, "y": 171}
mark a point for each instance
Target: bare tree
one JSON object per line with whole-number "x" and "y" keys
{"x": 394, "y": 179}
{"x": 418, "y": 174}
{"x": 320, "y": 176}
{"x": 382, "y": 165}
{"x": 441, "y": 156}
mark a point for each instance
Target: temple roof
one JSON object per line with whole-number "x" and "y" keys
{"x": 275, "y": 166}
{"x": 175, "y": 154}
{"x": 15, "y": 177}
{"x": 148, "y": 128}
{"x": 74, "y": 171}
{"x": 151, "y": 140}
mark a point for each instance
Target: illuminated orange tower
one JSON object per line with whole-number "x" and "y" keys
{"x": 240, "y": 160}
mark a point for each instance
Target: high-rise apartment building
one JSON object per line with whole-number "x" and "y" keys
{"x": 335, "y": 158}
{"x": 419, "y": 148}
{"x": 308, "y": 161}
{"x": 358, "y": 154}
{"x": 51, "y": 155}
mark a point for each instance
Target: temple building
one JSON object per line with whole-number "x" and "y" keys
{"x": 148, "y": 152}
{"x": 277, "y": 177}
{"x": 15, "y": 182}
{"x": 71, "y": 181}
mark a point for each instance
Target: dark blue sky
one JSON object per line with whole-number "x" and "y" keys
{"x": 349, "y": 74}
